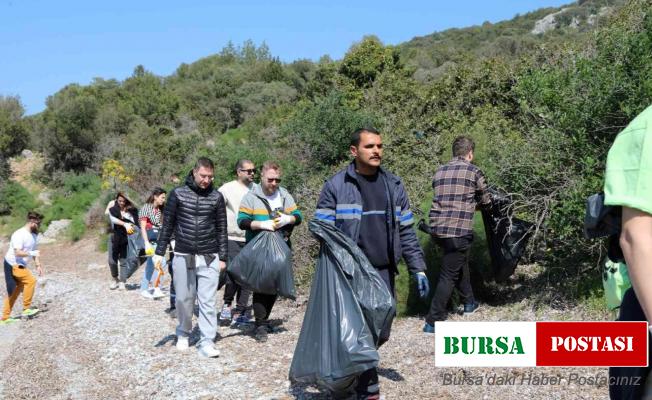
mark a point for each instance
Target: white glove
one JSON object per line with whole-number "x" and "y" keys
{"x": 34, "y": 253}
{"x": 267, "y": 225}
{"x": 156, "y": 259}
{"x": 282, "y": 220}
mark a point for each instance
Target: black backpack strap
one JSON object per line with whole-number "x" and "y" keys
{"x": 267, "y": 206}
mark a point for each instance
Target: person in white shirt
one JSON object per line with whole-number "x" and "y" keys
{"x": 19, "y": 278}
{"x": 233, "y": 193}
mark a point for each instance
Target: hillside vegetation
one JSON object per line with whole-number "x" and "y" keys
{"x": 543, "y": 109}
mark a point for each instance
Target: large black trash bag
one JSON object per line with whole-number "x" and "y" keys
{"x": 135, "y": 254}
{"x": 507, "y": 236}
{"x": 601, "y": 220}
{"x": 348, "y": 307}
{"x": 264, "y": 265}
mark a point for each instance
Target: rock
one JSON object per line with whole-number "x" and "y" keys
{"x": 546, "y": 23}
{"x": 56, "y": 228}
{"x": 27, "y": 153}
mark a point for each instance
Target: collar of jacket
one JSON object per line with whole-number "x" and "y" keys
{"x": 350, "y": 171}
{"x": 190, "y": 182}
{"x": 258, "y": 190}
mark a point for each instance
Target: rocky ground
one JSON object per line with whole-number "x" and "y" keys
{"x": 94, "y": 343}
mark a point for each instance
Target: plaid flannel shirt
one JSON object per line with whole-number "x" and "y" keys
{"x": 459, "y": 186}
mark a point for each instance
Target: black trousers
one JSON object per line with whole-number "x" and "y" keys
{"x": 113, "y": 262}
{"x": 629, "y": 382}
{"x": 454, "y": 273}
{"x": 368, "y": 381}
{"x": 231, "y": 289}
{"x": 262, "y": 305}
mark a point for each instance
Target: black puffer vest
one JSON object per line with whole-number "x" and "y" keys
{"x": 197, "y": 217}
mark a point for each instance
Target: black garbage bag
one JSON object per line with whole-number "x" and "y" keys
{"x": 135, "y": 254}
{"x": 348, "y": 307}
{"x": 507, "y": 236}
{"x": 264, "y": 265}
{"x": 601, "y": 220}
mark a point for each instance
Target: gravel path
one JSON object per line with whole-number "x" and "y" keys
{"x": 93, "y": 343}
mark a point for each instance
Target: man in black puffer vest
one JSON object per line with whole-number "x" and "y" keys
{"x": 196, "y": 214}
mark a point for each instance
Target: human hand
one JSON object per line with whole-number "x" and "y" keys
{"x": 34, "y": 253}
{"x": 149, "y": 249}
{"x": 222, "y": 265}
{"x": 267, "y": 225}
{"x": 422, "y": 284}
{"x": 283, "y": 219}
{"x": 130, "y": 228}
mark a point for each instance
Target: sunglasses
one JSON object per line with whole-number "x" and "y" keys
{"x": 272, "y": 180}
{"x": 249, "y": 171}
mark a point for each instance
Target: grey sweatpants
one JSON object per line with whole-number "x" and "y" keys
{"x": 200, "y": 282}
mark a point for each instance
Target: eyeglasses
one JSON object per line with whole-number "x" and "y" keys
{"x": 249, "y": 171}
{"x": 272, "y": 180}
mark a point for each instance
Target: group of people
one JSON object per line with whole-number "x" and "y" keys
{"x": 203, "y": 228}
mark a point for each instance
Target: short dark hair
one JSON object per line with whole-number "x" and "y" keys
{"x": 463, "y": 145}
{"x": 204, "y": 162}
{"x": 355, "y": 136}
{"x": 157, "y": 191}
{"x": 240, "y": 163}
{"x": 33, "y": 215}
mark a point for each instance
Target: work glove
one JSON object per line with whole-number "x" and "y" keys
{"x": 34, "y": 253}
{"x": 267, "y": 225}
{"x": 130, "y": 228}
{"x": 149, "y": 249}
{"x": 422, "y": 284}
{"x": 156, "y": 259}
{"x": 281, "y": 220}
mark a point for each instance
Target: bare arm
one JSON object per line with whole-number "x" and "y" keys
{"x": 636, "y": 243}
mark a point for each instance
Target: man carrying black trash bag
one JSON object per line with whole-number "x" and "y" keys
{"x": 370, "y": 205}
{"x": 268, "y": 207}
{"x": 460, "y": 187}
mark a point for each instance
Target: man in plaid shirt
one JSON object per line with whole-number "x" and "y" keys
{"x": 460, "y": 187}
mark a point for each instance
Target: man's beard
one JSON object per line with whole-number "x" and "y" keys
{"x": 34, "y": 230}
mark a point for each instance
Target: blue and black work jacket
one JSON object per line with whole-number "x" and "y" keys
{"x": 340, "y": 203}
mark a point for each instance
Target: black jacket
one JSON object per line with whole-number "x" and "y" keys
{"x": 197, "y": 217}
{"x": 119, "y": 231}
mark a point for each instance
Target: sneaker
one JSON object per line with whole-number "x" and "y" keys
{"x": 427, "y": 328}
{"x": 122, "y": 286}
{"x": 470, "y": 308}
{"x": 157, "y": 293}
{"x": 30, "y": 312}
{"x": 182, "y": 343}
{"x": 241, "y": 321}
{"x": 261, "y": 333}
{"x": 208, "y": 351}
{"x": 225, "y": 314}
{"x": 9, "y": 321}
{"x": 113, "y": 285}
{"x": 146, "y": 294}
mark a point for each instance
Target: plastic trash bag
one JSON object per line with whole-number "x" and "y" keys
{"x": 135, "y": 254}
{"x": 615, "y": 280}
{"x": 507, "y": 237}
{"x": 348, "y": 307}
{"x": 601, "y": 220}
{"x": 264, "y": 265}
